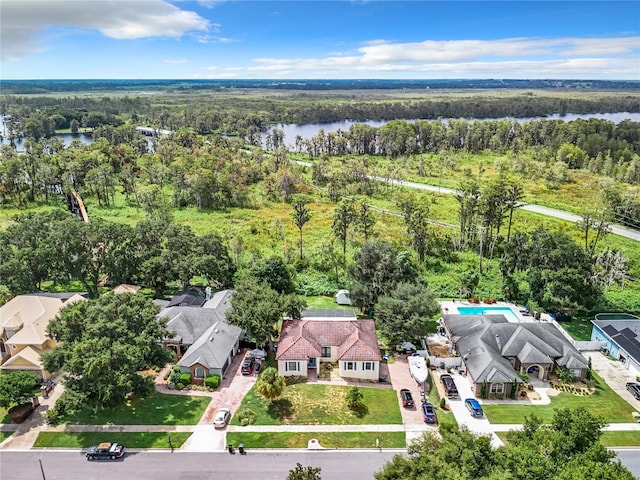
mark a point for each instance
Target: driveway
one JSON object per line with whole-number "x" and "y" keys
{"x": 481, "y": 426}
{"x": 615, "y": 375}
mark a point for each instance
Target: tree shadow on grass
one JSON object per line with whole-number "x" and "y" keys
{"x": 280, "y": 408}
{"x": 360, "y": 411}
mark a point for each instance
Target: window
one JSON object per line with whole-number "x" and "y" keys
{"x": 199, "y": 373}
{"x": 497, "y": 388}
{"x": 326, "y": 352}
{"x": 292, "y": 366}
{"x": 368, "y": 366}
{"x": 349, "y": 365}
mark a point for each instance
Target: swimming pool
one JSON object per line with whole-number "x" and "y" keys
{"x": 506, "y": 311}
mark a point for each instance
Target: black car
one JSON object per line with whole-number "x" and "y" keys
{"x": 105, "y": 451}
{"x": 248, "y": 366}
{"x": 449, "y": 386}
{"x": 634, "y": 389}
{"x": 407, "y": 398}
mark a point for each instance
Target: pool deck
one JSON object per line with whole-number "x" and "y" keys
{"x": 451, "y": 307}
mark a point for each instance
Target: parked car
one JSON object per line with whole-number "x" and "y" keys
{"x": 247, "y": 366}
{"x": 407, "y": 398}
{"x": 450, "y": 388}
{"x": 222, "y": 417}
{"x": 105, "y": 451}
{"x": 429, "y": 413}
{"x": 634, "y": 389}
{"x": 474, "y": 407}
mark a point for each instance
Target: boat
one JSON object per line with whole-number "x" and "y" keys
{"x": 418, "y": 368}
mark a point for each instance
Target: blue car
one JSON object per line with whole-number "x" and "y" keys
{"x": 474, "y": 407}
{"x": 428, "y": 413}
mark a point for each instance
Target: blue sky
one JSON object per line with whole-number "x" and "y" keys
{"x": 54, "y": 39}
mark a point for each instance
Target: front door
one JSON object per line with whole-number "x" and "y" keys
{"x": 311, "y": 363}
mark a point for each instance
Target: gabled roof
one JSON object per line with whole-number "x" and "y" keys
{"x": 213, "y": 347}
{"x": 32, "y": 314}
{"x": 487, "y": 341}
{"x": 355, "y": 339}
{"x": 28, "y": 356}
{"x": 190, "y": 297}
{"x": 625, "y": 333}
{"x": 126, "y": 288}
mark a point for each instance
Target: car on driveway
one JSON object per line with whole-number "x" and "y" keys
{"x": 105, "y": 451}
{"x": 429, "y": 413}
{"x": 634, "y": 389}
{"x": 407, "y": 398}
{"x": 474, "y": 407}
{"x": 222, "y": 417}
{"x": 449, "y": 386}
{"x": 247, "y": 366}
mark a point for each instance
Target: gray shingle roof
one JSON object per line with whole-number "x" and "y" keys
{"x": 484, "y": 341}
{"x": 213, "y": 347}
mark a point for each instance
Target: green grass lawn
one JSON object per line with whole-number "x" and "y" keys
{"x": 578, "y": 328}
{"x": 445, "y": 417}
{"x": 157, "y": 409}
{"x": 326, "y": 439}
{"x": 325, "y": 303}
{"x": 305, "y": 404}
{"x": 128, "y": 439}
{"x": 5, "y": 435}
{"x": 604, "y": 402}
{"x": 4, "y": 415}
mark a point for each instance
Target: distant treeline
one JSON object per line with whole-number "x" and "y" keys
{"x": 23, "y": 87}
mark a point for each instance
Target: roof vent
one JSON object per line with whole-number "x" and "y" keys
{"x": 498, "y": 341}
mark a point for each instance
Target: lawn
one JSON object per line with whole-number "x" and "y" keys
{"x": 578, "y": 328}
{"x": 128, "y": 439}
{"x": 5, "y": 435}
{"x": 325, "y": 303}
{"x": 604, "y": 402}
{"x": 157, "y": 409}
{"x": 4, "y": 415}
{"x": 445, "y": 417}
{"x": 305, "y": 404}
{"x": 325, "y": 439}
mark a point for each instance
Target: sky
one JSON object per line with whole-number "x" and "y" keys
{"x": 332, "y": 39}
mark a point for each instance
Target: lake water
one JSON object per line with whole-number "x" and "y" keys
{"x": 308, "y": 130}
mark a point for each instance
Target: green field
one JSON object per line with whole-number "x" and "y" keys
{"x": 306, "y": 404}
{"x": 128, "y": 439}
{"x": 157, "y": 409}
{"x": 604, "y": 402}
{"x": 325, "y": 439}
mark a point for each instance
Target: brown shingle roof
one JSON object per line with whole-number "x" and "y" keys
{"x": 355, "y": 339}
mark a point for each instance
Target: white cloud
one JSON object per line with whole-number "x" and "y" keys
{"x": 23, "y": 20}
{"x": 614, "y": 58}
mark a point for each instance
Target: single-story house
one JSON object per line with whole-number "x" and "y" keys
{"x": 621, "y": 334}
{"x": 204, "y": 341}
{"x": 23, "y": 330}
{"x": 494, "y": 351}
{"x": 329, "y": 336}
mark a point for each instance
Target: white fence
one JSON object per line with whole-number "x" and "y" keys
{"x": 589, "y": 346}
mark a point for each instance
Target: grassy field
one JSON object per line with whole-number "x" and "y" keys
{"x": 325, "y": 303}
{"x": 305, "y": 404}
{"x": 128, "y": 439}
{"x": 325, "y": 439}
{"x": 604, "y": 402}
{"x": 445, "y": 417}
{"x": 157, "y": 409}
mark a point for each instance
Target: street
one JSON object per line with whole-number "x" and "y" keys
{"x": 266, "y": 465}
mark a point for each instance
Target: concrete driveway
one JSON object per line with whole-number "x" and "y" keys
{"x": 615, "y": 375}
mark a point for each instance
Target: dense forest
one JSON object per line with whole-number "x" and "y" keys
{"x": 494, "y": 164}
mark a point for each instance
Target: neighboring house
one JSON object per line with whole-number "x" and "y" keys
{"x": 204, "y": 341}
{"x": 329, "y": 336}
{"x": 494, "y": 351}
{"x": 23, "y": 330}
{"x": 126, "y": 288}
{"x": 621, "y": 334}
{"x": 190, "y": 297}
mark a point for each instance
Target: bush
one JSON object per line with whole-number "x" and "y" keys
{"x": 443, "y": 403}
{"x": 175, "y": 377}
{"x": 185, "y": 378}
{"x": 212, "y": 382}
{"x": 179, "y": 386}
{"x": 246, "y": 417}
{"x": 354, "y": 398}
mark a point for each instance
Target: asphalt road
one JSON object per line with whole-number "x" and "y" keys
{"x": 68, "y": 465}
{"x": 630, "y": 458}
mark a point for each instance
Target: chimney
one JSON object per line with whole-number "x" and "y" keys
{"x": 498, "y": 342}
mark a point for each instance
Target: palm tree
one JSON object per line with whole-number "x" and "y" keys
{"x": 301, "y": 216}
{"x": 270, "y": 383}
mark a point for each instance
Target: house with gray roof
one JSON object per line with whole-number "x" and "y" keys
{"x": 621, "y": 334}
{"x": 202, "y": 338}
{"x": 334, "y": 336}
{"x": 494, "y": 351}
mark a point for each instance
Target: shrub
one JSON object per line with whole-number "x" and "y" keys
{"x": 179, "y": 386}
{"x": 185, "y": 378}
{"x": 175, "y": 377}
{"x": 212, "y": 382}
{"x": 443, "y": 403}
{"x": 246, "y": 416}
{"x": 354, "y": 398}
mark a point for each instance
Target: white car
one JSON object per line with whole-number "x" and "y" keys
{"x": 223, "y": 415}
